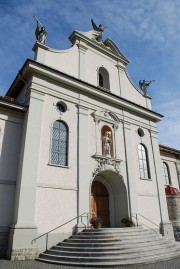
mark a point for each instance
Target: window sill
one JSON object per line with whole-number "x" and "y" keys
{"x": 104, "y": 89}
{"x": 57, "y": 165}
{"x": 148, "y": 179}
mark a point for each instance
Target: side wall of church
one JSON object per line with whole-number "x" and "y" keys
{"x": 11, "y": 124}
{"x": 173, "y": 166}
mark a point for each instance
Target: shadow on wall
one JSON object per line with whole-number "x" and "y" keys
{"x": 10, "y": 135}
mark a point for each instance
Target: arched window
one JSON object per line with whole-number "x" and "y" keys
{"x": 166, "y": 174}
{"x": 59, "y": 146}
{"x": 103, "y": 79}
{"x": 143, "y": 162}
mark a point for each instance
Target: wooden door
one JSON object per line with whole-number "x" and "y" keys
{"x": 100, "y": 202}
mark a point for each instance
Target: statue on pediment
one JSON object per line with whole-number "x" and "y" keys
{"x": 144, "y": 85}
{"x": 99, "y": 29}
{"x": 40, "y": 32}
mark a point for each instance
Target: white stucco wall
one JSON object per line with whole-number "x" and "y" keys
{"x": 11, "y": 123}
{"x": 83, "y": 61}
{"x": 171, "y": 161}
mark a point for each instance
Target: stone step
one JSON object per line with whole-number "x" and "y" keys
{"x": 111, "y": 247}
{"x": 101, "y": 261}
{"x": 113, "y": 230}
{"x": 104, "y": 249}
{"x": 114, "y": 235}
{"x": 109, "y": 237}
{"x": 123, "y": 253}
{"x": 110, "y": 243}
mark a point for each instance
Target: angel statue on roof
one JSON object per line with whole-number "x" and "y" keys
{"x": 40, "y": 32}
{"x": 99, "y": 29}
{"x": 144, "y": 85}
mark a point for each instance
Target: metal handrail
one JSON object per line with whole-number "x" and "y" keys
{"x": 161, "y": 232}
{"x": 47, "y": 233}
{"x": 143, "y": 223}
{"x": 148, "y": 219}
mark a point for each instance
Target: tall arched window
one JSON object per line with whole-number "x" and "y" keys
{"x": 59, "y": 146}
{"x": 166, "y": 174}
{"x": 143, "y": 162}
{"x": 103, "y": 79}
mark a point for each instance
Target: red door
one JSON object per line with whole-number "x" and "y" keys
{"x": 100, "y": 202}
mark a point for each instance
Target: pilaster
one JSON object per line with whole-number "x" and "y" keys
{"x": 131, "y": 181}
{"x": 98, "y": 138}
{"x": 120, "y": 71}
{"x": 117, "y": 140}
{"x": 166, "y": 225}
{"x": 23, "y": 228}
{"x": 83, "y": 165}
{"x": 82, "y": 61}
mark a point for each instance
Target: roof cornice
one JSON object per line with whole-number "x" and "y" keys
{"x": 31, "y": 66}
{"x": 169, "y": 150}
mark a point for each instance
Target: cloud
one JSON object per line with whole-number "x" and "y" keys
{"x": 169, "y": 127}
{"x": 148, "y": 32}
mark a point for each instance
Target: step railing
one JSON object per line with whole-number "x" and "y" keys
{"x": 80, "y": 217}
{"x": 137, "y": 222}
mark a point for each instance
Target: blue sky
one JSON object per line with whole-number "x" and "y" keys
{"x": 147, "y": 32}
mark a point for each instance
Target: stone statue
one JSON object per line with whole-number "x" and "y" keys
{"x": 99, "y": 29}
{"x": 40, "y": 32}
{"x": 144, "y": 85}
{"x": 107, "y": 143}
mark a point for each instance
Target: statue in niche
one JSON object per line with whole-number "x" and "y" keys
{"x": 99, "y": 29}
{"x": 144, "y": 85}
{"x": 107, "y": 144}
{"x": 40, "y": 32}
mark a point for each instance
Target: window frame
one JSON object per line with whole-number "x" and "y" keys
{"x": 65, "y": 164}
{"x": 143, "y": 160}
{"x": 105, "y": 78}
{"x": 165, "y": 167}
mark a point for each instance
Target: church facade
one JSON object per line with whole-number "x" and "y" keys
{"x": 79, "y": 138}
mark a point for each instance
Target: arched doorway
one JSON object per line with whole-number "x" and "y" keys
{"x": 100, "y": 202}
{"x": 109, "y": 196}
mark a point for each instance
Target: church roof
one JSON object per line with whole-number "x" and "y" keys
{"x": 10, "y": 102}
{"x": 169, "y": 150}
{"x": 29, "y": 66}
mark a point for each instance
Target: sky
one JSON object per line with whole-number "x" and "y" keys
{"x": 147, "y": 33}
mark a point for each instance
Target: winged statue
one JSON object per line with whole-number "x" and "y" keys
{"x": 40, "y": 32}
{"x": 99, "y": 29}
{"x": 143, "y": 84}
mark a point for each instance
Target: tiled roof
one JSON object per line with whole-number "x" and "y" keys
{"x": 169, "y": 150}
{"x": 11, "y": 103}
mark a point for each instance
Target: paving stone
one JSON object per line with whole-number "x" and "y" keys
{"x": 6, "y": 264}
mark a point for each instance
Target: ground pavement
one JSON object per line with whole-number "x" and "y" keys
{"x": 5, "y": 264}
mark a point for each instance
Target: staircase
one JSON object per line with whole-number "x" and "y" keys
{"x": 112, "y": 247}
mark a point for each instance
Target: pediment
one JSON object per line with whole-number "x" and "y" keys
{"x": 112, "y": 46}
{"x": 106, "y": 116}
{"x": 107, "y": 46}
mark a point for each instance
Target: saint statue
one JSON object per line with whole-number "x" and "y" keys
{"x": 144, "y": 85}
{"x": 100, "y": 29}
{"x": 107, "y": 143}
{"x": 40, "y": 32}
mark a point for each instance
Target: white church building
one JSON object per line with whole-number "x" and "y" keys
{"x": 78, "y": 137}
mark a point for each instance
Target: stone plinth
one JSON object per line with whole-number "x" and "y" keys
{"x": 173, "y": 202}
